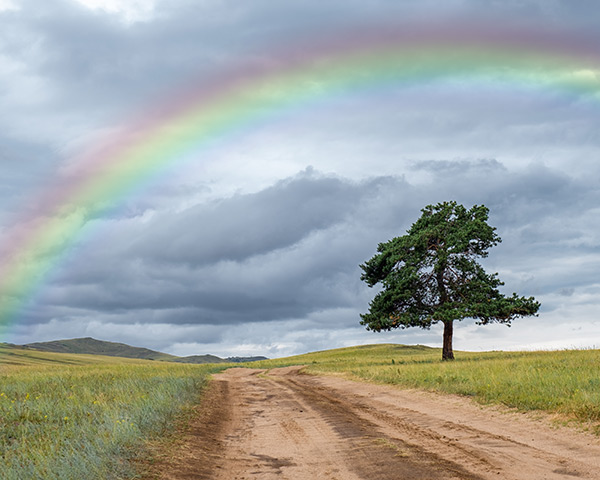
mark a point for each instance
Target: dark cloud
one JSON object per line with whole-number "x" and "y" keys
{"x": 244, "y": 226}
{"x": 279, "y": 253}
{"x": 270, "y": 263}
{"x": 293, "y": 249}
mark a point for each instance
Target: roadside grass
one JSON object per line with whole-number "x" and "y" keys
{"x": 89, "y": 421}
{"x": 564, "y": 382}
{"x": 88, "y": 417}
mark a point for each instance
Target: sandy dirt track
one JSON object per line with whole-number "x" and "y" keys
{"x": 282, "y": 424}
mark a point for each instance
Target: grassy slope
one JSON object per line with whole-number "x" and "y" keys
{"x": 91, "y": 346}
{"x": 15, "y": 356}
{"x": 73, "y": 416}
{"x": 563, "y": 382}
{"x": 98, "y": 347}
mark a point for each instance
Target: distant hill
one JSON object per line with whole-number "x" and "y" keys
{"x": 245, "y": 359}
{"x": 200, "y": 359}
{"x": 91, "y": 346}
{"x": 17, "y": 355}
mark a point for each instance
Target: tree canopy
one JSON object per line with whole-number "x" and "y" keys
{"x": 431, "y": 275}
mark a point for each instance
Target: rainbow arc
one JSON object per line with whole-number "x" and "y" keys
{"x": 352, "y": 64}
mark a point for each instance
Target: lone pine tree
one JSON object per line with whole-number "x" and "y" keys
{"x": 431, "y": 275}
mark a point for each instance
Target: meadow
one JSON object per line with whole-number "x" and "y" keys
{"x": 87, "y": 417}
{"x": 564, "y": 383}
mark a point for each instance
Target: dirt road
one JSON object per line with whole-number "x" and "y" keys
{"x": 285, "y": 425}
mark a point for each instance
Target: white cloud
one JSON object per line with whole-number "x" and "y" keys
{"x": 8, "y": 5}
{"x": 130, "y": 11}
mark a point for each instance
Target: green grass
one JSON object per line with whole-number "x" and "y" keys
{"x": 66, "y": 416}
{"x": 89, "y": 420}
{"x": 560, "y": 382}
{"x": 91, "y": 346}
{"x": 15, "y": 356}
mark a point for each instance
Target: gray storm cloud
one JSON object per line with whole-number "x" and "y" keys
{"x": 250, "y": 251}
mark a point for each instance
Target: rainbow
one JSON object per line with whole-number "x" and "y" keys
{"x": 351, "y": 63}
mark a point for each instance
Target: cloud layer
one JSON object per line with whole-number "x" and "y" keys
{"x": 254, "y": 248}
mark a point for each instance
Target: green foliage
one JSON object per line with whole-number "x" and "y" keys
{"x": 431, "y": 275}
{"x": 87, "y": 422}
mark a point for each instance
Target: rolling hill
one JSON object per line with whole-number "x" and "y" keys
{"x": 91, "y": 346}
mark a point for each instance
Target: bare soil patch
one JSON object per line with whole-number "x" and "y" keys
{"x": 282, "y": 424}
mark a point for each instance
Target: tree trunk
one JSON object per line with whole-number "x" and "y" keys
{"x": 447, "y": 353}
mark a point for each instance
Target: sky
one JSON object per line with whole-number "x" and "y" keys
{"x": 252, "y": 246}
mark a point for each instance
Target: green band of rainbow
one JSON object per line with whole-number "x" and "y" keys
{"x": 127, "y": 161}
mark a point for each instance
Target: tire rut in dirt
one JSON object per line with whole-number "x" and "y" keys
{"x": 371, "y": 453}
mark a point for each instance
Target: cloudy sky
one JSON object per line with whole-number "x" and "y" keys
{"x": 254, "y": 246}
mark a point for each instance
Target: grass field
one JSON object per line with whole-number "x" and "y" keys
{"x": 12, "y": 356}
{"x": 66, "y": 416}
{"x": 560, "y": 382}
{"x": 87, "y": 417}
